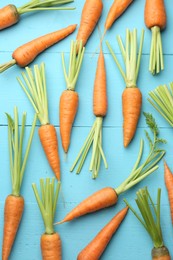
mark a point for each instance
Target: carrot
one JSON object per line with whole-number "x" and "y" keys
{"x": 117, "y": 9}
{"x": 14, "y": 203}
{"x": 26, "y": 53}
{"x": 169, "y": 185}
{"x": 95, "y": 135}
{"x": 34, "y": 87}
{"x": 150, "y": 219}
{"x": 96, "y": 247}
{"x": 107, "y": 197}
{"x": 91, "y": 13}
{"x": 132, "y": 97}
{"x": 69, "y": 99}
{"x": 10, "y": 14}
{"x": 47, "y": 201}
{"x": 155, "y": 20}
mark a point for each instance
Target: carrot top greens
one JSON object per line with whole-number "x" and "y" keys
{"x": 15, "y": 140}
{"x": 130, "y": 57}
{"x": 41, "y": 5}
{"x": 139, "y": 172}
{"x": 150, "y": 215}
{"x": 47, "y": 201}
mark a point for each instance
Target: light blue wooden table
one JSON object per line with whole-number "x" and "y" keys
{"x": 131, "y": 241}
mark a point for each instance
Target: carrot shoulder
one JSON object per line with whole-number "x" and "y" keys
{"x": 91, "y": 13}
{"x": 96, "y": 247}
{"x": 168, "y": 176}
{"x": 8, "y": 16}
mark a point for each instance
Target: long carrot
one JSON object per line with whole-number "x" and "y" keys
{"x": 108, "y": 196}
{"x": 132, "y": 97}
{"x": 169, "y": 185}
{"x": 91, "y": 13}
{"x": 155, "y": 20}
{"x": 10, "y": 14}
{"x": 14, "y": 203}
{"x": 34, "y": 87}
{"x": 95, "y": 135}
{"x": 97, "y": 246}
{"x": 26, "y": 53}
{"x": 69, "y": 99}
{"x": 50, "y": 241}
{"x": 150, "y": 219}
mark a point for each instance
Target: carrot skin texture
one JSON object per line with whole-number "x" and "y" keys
{"x": 13, "y": 212}
{"x": 100, "y": 94}
{"x": 101, "y": 199}
{"x": 155, "y": 14}
{"x": 160, "y": 253}
{"x": 96, "y": 247}
{"x": 168, "y": 176}
{"x": 51, "y": 247}
{"x": 49, "y": 141}
{"x": 68, "y": 108}
{"x": 131, "y": 102}
{"x": 8, "y": 16}
{"x": 26, "y": 53}
{"x": 91, "y": 13}
{"x": 117, "y": 9}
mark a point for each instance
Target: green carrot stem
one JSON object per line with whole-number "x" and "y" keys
{"x": 7, "y": 65}
{"x": 47, "y": 201}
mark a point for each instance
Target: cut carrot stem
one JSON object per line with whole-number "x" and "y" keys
{"x": 34, "y": 86}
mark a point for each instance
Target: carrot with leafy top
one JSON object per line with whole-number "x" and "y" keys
{"x": 168, "y": 176}
{"x": 69, "y": 99}
{"x": 34, "y": 87}
{"x": 97, "y": 246}
{"x": 108, "y": 196}
{"x": 95, "y": 135}
{"x": 150, "y": 219}
{"x": 14, "y": 203}
{"x": 91, "y": 13}
{"x": 10, "y": 14}
{"x": 131, "y": 97}
{"x": 47, "y": 202}
{"x": 155, "y": 20}
{"x": 26, "y": 53}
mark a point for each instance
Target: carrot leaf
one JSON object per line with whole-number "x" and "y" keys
{"x": 15, "y": 140}
{"x": 47, "y": 201}
{"x": 150, "y": 215}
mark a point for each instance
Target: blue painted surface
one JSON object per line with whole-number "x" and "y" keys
{"x": 131, "y": 240}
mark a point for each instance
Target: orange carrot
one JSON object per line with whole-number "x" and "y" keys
{"x": 132, "y": 97}
{"x": 96, "y": 247}
{"x": 35, "y": 89}
{"x": 132, "y": 102}
{"x": 91, "y": 13}
{"x": 13, "y": 212}
{"x": 51, "y": 246}
{"x": 117, "y": 9}
{"x": 8, "y": 16}
{"x": 169, "y": 185}
{"x": 49, "y": 141}
{"x": 155, "y": 14}
{"x": 26, "y": 53}
{"x": 69, "y": 99}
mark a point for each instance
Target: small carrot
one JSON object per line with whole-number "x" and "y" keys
{"x": 95, "y": 135}
{"x": 26, "y": 53}
{"x": 108, "y": 196}
{"x": 96, "y": 247}
{"x": 14, "y": 203}
{"x": 155, "y": 20}
{"x": 132, "y": 97}
{"x": 91, "y": 13}
{"x": 35, "y": 89}
{"x": 50, "y": 241}
{"x": 169, "y": 185}
{"x": 10, "y": 14}
{"x": 150, "y": 219}
{"x": 69, "y": 99}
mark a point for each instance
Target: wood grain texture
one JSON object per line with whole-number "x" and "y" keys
{"x": 77, "y": 234}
